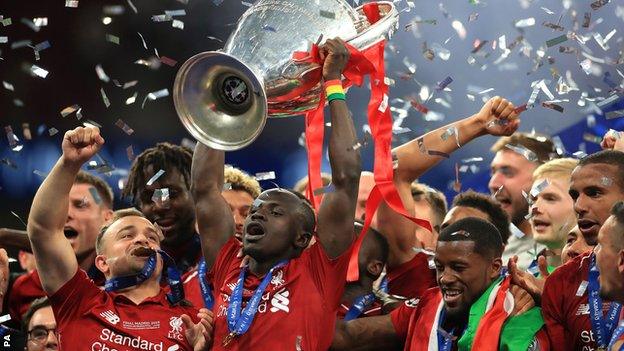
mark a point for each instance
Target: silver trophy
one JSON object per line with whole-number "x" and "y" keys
{"x": 224, "y": 98}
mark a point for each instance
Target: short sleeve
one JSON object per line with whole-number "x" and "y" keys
{"x": 412, "y": 278}
{"x": 400, "y": 319}
{"x": 75, "y": 298}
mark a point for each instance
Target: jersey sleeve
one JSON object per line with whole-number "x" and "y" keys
{"x": 552, "y": 308}
{"x": 412, "y": 278}
{"x": 329, "y": 275}
{"x": 75, "y": 298}
{"x": 400, "y": 318}
{"x": 225, "y": 258}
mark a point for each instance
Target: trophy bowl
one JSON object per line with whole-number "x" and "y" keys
{"x": 223, "y": 98}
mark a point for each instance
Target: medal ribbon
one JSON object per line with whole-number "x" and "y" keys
{"x": 239, "y": 323}
{"x": 603, "y": 329}
{"x": 445, "y": 339}
{"x": 206, "y": 291}
{"x": 360, "y": 304}
{"x": 172, "y": 274}
{"x": 616, "y": 335}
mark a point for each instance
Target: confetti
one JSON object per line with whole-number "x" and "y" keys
{"x": 155, "y": 95}
{"x": 324, "y": 190}
{"x": 121, "y": 124}
{"x": 473, "y": 17}
{"x": 586, "y": 19}
{"x": 614, "y": 114}
{"x": 161, "y": 197}
{"x": 606, "y": 181}
{"x": 40, "y": 173}
{"x": 69, "y": 110}
{"x": 168, "y": 61}
{"x": 38, "y": 71}
{"x": 4, "y": 39}
{"x": 130, "y": 153}
{"x": 472, "y": 159}
{"x": 11, "y": 137}
{"x": 485, "y": 91}
{"x": 558, "y": 40}
{"x": 608, "y": 100}
{"x": 528, "y": 154}
{"x": 26, "y": 131}
{"x": 6, "y": 22}
{"x": 134, "y": 9}
{"x": 265, "y": 176}
{"x": 523, "y": 23}
{"x": 477, "y": 45}
{"x": 155, "y": 177}
{"x": 96, "y": 195}
{"x": 177, "y": 24}
{"x": 71, "y": 3}
{"x": 101, "y": 74}
{"x": 91, "y": 123}
{"x": 552, "y": 106}
{"x": 53, "y": 131}
{"x": 538, "y": 188}
{"x": 112, "y": 39}
{"x": 444, "y": 83}
{"x": 553, "y": 26}
{"x": 132, "y": 99}
{"x": 592, "y": 138}
{"x": 548, "y": 11}
{"x": 161, "y": 18}
{"x": 104, "y": 98}
{"x": 459, "y": 28}
{"x": 559, "y": 147}
{"x": 383, "y": 106}
{"x": 214, "y": 38}
{"x": 8, "y": 86}
{"x": 598, "y": 4}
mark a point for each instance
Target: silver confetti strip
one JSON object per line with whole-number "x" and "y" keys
{"x": 538, "y": 188}
{"x": 38, "y": 71}
{"x": 71, "y": 3}
{"x": 161, "y": 197}
{"x": 126, "y": 128}
{"x": 606, "y": 181}
{"x": 101, "y": 74}
{"x": 528, "y": 154}
{"x": 265, "y": 176}
{"x": 112, "y": 39}
{"x": 155, "y": 177}
{"x": 96, "y": 195}
{"x": 614, "y": 114}
{"x": 104, "y": 98}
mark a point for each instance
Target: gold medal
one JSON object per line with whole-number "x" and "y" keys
{"x": 601, "y": 349}
{"x": 228, "y": 339}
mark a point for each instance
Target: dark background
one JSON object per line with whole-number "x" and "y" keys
{"x": 78, "y": 43}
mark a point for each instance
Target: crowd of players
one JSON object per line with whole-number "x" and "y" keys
{"x": 216, "y": 263}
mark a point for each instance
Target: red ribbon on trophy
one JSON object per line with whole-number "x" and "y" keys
{"x": 361, "y": 63}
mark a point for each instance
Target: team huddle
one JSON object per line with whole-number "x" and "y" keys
{"x": 207, "y": 260}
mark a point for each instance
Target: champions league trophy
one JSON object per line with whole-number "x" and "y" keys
{"x": 224, "y": 98}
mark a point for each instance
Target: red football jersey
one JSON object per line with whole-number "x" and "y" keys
{"x": 192, "y": 290}
{"x": 565, "y": 312}
{"x": 298, "y": 308}
{"x": 89, "y": 318}
{"x": 412, "y": 278}
{"x": 24, "y": 291}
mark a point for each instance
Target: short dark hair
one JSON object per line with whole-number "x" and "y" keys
{"x": 34, "y": 307}
{"x": 117, "y": 215}
{"x": 541, "y": 145}
{"x": 165, "y": 156}
{"x": 609, "y": 157}
{"x": 102, "y": 188}
{"x": 434, "y": 198}
{"x": 487, "y": 239}
{"x": 484, "y": 203}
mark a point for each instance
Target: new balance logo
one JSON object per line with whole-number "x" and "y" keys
{"x": 280, "y": 301}
{"x": 582, "y": 309}
{"x": 111, "y": 317}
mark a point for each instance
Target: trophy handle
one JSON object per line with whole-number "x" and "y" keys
{"x": 371, "y": 34}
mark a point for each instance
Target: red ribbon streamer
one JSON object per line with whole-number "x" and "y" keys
{"x": 361, "y": 63}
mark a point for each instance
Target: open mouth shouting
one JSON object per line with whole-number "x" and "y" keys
{"x": 589, "y": 228}
{"x": 254, "y": 232}
{"x": 71, "y": 234}
{"x": 142, "y": 251}
{"x": 540, "y": 225}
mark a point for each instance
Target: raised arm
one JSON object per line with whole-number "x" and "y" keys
{"x": 14, "y": 238}
{"x": 369, "y": 333}
{"x": 214, "y": 217}
{"x": 337, "y": 210}
{"x": 55, "y": 258}
{"x": 496, "y": 117}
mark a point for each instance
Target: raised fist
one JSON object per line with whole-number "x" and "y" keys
{"x": 498, "y": 117}
{"x": 80, "y": 144}
{"x": 335, "y": 55}
{"x": 613, "y": 140}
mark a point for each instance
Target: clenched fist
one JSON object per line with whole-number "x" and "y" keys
{"x": 80, "y": 144}
{"x": 335, "y": 56}
{"x": 497, "y": 116}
